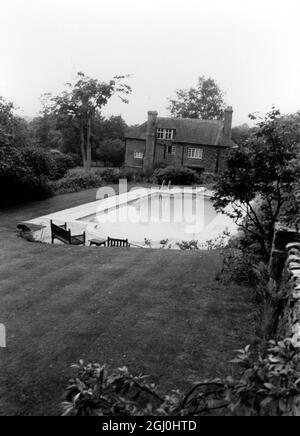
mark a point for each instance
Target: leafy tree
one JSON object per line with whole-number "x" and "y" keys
{"x": 260, "y": 178}
{"x": 111, "y": 152}
{"x": 107, "y": 139}
{"x": 240, "y": 134}
{"x": 44, "y": 133}
{"x": 205, "y": 101}
{"x": 13, "y": 129}
{"x": 81, "y": 102}
{"x": 113, "y": 127}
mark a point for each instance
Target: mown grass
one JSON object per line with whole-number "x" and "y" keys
{"x": 158, "y": 312}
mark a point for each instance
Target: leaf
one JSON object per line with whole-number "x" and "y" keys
{"x": 269, "y": 386}
{"x": 264, "y": 403}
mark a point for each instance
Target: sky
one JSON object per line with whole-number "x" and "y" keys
{"x": 251, "y": 49}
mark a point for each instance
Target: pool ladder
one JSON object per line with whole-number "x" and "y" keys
{"x": 164, "y": 183}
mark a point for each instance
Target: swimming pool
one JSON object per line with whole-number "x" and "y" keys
{"x": 146, "y": 217}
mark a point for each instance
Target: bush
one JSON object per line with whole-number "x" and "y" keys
{"x": 111, "y": 175}
{"x": 269, "y": 385}
{"x": 76, "y": 159}
{"x": 239, "y": 267}
{"x": 177, "y": 176}
{"x": 78, "y": 181}
{"x": 23, "y": 175}
{"x": 208, "y": 178}
{"x": 134, "y": 176}
{"x": 60, "y": 164}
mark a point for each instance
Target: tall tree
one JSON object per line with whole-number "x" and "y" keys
{"x": 81, "y": 102}
{"x": 205, "y": 101}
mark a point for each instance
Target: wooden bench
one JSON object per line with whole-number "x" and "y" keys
{"x": 112, "y": 242}
{"x": 62, "y": 234}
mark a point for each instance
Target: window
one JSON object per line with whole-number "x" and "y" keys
{"x": 195, "y": 153}
{"x": 171, "y": 149}
{"x": 165, "y": 134}
{"x": 138, "y": 155}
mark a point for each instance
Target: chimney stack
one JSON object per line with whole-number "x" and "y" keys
{"x": 150, "y": 140}
{"x": 228, "y": 122}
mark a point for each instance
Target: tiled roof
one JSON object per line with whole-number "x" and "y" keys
{"x": 187, "y": 130}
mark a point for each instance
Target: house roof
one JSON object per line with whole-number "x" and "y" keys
{"x": 187, "y": 130}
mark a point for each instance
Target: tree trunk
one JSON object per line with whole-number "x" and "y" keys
{"x": 82, "y": 147}
{"x": 88, "y": 145}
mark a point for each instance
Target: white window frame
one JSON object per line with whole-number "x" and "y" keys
{"x": 173, "y": 150}
{"x": 138, "y": 155}
{"x": 165, "y": 134}
{"x": 195, "y": 153}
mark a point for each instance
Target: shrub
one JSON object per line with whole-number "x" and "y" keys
{"x": 78, "y": 181}
{"x": 52, "y": 164}
{"x": 76, "y": 159}
{"x": 134, "y": 176}
{"x": 208, "y": 178}
{"x": 60, "y": 164}
{"x": 177, "y": 176}
{"x": 188, "y": 245}
{"x": 269, "y": 385}
{"x": 239, "y": 266}
{"x": 38, "y": 160}
{"x": 111, "y": 175}
{"x": 23, "y": 175}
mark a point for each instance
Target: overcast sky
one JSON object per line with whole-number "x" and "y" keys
{"x": 251, "y": 48}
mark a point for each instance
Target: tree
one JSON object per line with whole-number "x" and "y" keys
{"x": 13, "y": 129}
{"x": 205, "y": 101}
{"x": 81, "y": 102}
{"x": 44, "y": 132}
{"x": 113, "y": 127}
{"x": 111, "y": 152}
{"x": 260, "y": 178}
{"x": 240, "y": 134}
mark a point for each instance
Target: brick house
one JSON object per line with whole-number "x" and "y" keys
{"x": 198, "y": 144}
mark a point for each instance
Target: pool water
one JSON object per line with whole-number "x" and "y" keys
{"x": 161, "y": 216}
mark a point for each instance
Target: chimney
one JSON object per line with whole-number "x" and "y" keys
{"x": 228, "y": 122}
{"x": 150, "y": 141}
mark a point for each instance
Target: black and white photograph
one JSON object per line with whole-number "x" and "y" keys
{"x": 149, "y": 211}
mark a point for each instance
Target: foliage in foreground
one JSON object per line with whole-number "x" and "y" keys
{"x": 269, "y": 386}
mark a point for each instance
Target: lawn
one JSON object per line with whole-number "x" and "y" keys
{"x": 158, "y": 312}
